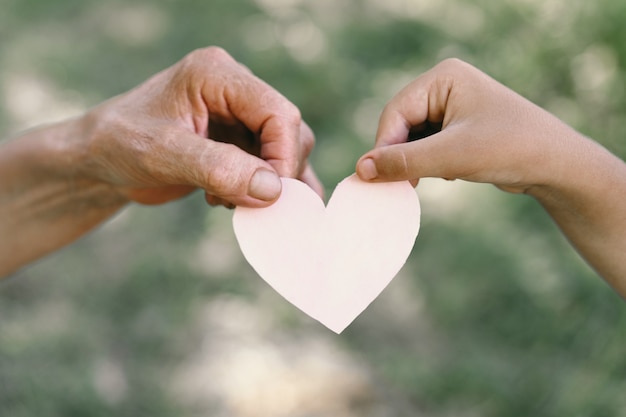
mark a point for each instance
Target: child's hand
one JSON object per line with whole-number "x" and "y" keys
{"x": 484, "y": 133}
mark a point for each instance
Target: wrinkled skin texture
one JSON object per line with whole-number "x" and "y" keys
{"x": 205, "y": 123}
{"x": 161, "y": 127}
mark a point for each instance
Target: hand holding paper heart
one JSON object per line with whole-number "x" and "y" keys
{"x": 331, "y": 262}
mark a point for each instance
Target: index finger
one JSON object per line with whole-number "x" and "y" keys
{"x": 417, "y": 106}
{"x": 234, "y": 93}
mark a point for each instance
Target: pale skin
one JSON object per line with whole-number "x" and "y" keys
{"x": 205, "y": 123}
{"x": 489, "y": 134}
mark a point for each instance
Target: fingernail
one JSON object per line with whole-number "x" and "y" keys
{"x": 367, "y": 169}
{"x": 264, "y": 185}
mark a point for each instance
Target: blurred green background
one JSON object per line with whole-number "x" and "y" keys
{"x": 157, "y": 314}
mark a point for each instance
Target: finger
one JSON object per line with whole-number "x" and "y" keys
{"x": 309, "y": 177}
{"x": 435, "y": 156}
{"x": 239, "y": 135}
{"x": 306, "y": 143}
{"x": 222, "y": 170}
{"x": 238, "y": 178}
{"x": 393, "y": 126}
{"x": 240, "y": 95}
{"x": 307, "y": 174}
{"x": 418, "y": 106}
{"x": 280, "y": 130}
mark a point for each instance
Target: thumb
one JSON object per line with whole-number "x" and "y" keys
{"x": 223, "y": 170}
{"x": 434, "y": 156}
{"x": 233, "y": 175}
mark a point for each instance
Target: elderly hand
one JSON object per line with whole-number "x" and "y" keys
{"x": 206, "y": 122}
{"x": 476, "y": 129}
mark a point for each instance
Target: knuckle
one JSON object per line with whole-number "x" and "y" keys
{"x": 389, "y": 107}
{"x": 206, "y": 55}
{"x": 281, "y": 107}
{"x": 454, "y": 67}
{"x": 292, "y": 112}
{"x": 391, "y": 113}
{"x": 212, "y": 53}
{"x": 215, "y": 52}
{"x": 452, "y": 63}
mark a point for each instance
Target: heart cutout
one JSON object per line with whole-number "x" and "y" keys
{"x": 331, "y": 262}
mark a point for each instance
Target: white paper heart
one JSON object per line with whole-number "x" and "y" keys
{"x": 331, "y": 262}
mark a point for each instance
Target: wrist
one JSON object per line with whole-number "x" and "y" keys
{"x": 55, "y": 160}
{"x": 580, "y": 172}
{"x": 560, "y": 154}
{"x": 46, "y": 199}
{"x": 79, "y": 158}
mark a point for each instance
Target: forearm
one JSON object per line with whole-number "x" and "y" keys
{"x": 588, "y": 202}
{"x": 47, "y": 198}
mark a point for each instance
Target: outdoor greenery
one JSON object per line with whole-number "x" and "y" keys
{"x": 493, "y": 315}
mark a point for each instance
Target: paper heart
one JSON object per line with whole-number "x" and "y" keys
{"x": 331, "y": 262}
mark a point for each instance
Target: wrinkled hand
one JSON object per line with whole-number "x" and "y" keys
{"x": 483, "y": 132}
{"x": 207, "y": 122}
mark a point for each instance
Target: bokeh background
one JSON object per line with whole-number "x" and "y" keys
{"x": 157, "y": 314}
